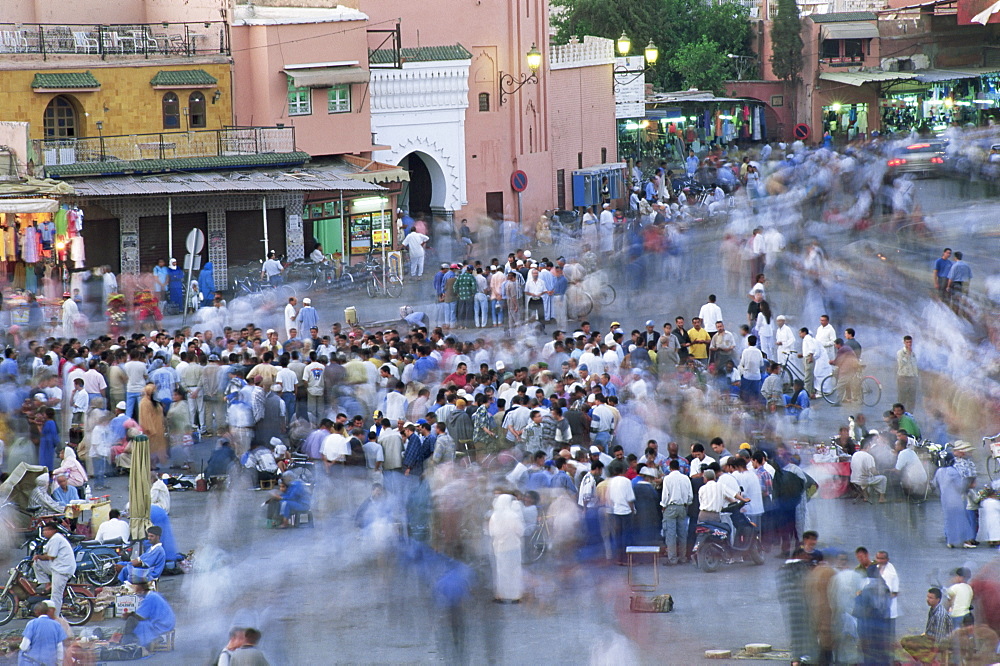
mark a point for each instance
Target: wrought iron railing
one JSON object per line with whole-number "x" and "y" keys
{"x": 226, "y": 142}
{"x": 148, "y": 40}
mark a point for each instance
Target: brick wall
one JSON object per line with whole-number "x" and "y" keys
{"x": 582, "y": 114}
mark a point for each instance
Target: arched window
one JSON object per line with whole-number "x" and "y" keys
{"x": 59, "y": 121}
{"x": 196, "y": 109}
{"x": 171, "y": 111}
{"x": 484, "y": 101}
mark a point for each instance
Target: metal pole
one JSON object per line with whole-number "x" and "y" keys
{"x": 264, "y": 211}
{"x": 187, "y": 289}
{"x": 519, "y": 212}
{"x": 381, "y": 222}
{"x": 170, "y": 229}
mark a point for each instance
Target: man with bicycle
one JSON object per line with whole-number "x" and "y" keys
{"x": 848, "y": 370}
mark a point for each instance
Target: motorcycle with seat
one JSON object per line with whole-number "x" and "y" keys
{"x": 727, "y": 542}
{"x": 21, "y": 593}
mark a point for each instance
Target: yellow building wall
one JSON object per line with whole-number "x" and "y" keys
{"x": 126, "y": 102}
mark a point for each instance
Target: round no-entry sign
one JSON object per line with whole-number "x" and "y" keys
{"x": 519, "y": 181}
{"x": 801, "y": 131}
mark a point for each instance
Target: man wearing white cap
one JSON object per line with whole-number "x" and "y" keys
{"x": 307, "y": 318}
{"x": 606, "y": 230}
{"x": 784, "y": 339}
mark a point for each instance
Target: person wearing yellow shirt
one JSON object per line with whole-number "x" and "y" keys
{"x": 700, "y": 340}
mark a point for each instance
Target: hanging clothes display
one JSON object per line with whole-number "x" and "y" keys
{"x": 37, "y": 248}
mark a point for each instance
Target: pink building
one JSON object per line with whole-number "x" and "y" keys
{"x": 452, "y": 115}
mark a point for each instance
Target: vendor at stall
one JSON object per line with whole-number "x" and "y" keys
{"x": 150, "y": 564}
{"x": 152, "y": 618}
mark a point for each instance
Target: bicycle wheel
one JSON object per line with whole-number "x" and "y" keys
{"x": 284, "y": 292}
{"x": 394, "y": 288}
{"x": 871, "y": 391}
{"x": 992, "y": 468}
{"x": 830, "y": 390}
{"x": 345, "y": 281}
{"x": 786, "y": 380}
{"x": 373, "y": 287}
{"x": 580, "y": 304}
{"x": 606, "y": 295}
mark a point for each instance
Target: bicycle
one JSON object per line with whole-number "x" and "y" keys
{"x": 579, "y": 304}
{"x": 993, "y": 459}
{"x": 391, "y": 286}
{"x": 833, "y": 391}
{"x": 538, "y": 541}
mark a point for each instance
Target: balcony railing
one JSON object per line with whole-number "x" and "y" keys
{"x": 148, "y": 40}
{"x": 227, "y": 142}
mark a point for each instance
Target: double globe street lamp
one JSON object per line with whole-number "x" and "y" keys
{"x": 650, "y": 53}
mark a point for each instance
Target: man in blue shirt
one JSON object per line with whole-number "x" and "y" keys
{"x": 424, "y": 365}
{"x": 941, "y": 269}
{"x": 149, "y": 565}
{"x": 8, "y": 368}
{"x": 42, "y": 640}
{"x": 418, "y": 449}
{"x": 959, "y": 276}
{"x": 561, "y": 479}
{"x": 151, "y": 619}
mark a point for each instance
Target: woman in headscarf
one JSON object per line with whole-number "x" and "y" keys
{"x": 175, "y": 285}
{"x": 41, "y": 498}
{"x": 506, "y": 529}
{"x": 71, "y": 467}
{"x": 952, "y": 487}
{"x": 151, "y": 422}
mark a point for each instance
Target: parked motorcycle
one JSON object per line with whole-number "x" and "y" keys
{"x": 20, "y": 595}
{"x": 717, "y": 543}
{"x": 95, "y": 560}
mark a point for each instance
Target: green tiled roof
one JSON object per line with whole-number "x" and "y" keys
{"x": 421, "y": 54}
{"x": 65, "y": 80}
{"x": 841, "y": 17}
{"x": 180, "y": 164}
{"x": 183, "y": 77}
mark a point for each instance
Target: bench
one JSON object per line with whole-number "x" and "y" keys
{"x": 653, "y": 551}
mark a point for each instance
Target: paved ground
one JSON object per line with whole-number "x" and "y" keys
{"x": 326, "y": 596}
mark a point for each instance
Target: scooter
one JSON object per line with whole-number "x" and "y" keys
{"x": 20, "y": 594}
{"x": 717, "y": 543}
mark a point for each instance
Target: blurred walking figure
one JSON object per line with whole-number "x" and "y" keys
{"x": 506, "y": 529}
{"x": 952, "y": 487}
{"x": 871, "y": 609}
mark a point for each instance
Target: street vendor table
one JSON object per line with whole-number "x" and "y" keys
{"x": 834, "y": 479}
{"x": 99, "y": 508}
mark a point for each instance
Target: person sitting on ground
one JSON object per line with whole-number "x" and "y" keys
{"x": 248, "y": 654}
{"x": 864, "y": 473}
{"x": 150, "y": 564}
{"x": 114, "y": 528}
{"x": 924, "y": 648}
{"x": 152, "y": 618}
{"x": 40, "y": 500}
{"x": 221, "y": 460}
{"x": 261, "y": 459}
{"x": 64, "y": 493}
{"x": 292, "y": 498}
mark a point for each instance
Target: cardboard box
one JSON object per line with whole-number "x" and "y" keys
{"x": 126, "y": 603}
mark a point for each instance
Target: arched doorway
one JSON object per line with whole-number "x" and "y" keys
{"x": 420, "y": 188}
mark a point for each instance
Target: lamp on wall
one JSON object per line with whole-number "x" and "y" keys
{"x": 100, "y": 133}
{"x": 510, "y": 85}
{"x": 216, "y": 96}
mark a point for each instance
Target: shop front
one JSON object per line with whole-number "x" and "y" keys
{"x": 349, "y": 227}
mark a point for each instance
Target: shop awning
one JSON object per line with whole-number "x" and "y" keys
{"x": 301, "y": 179}
{"x": 935, "y": 75}
{"x": 849, "y": 30}
{"x": 326, "y": 77}
{"x": 861, "y": 78}
{"x": 366, "y": 170}
{"x": 24, "y": 206}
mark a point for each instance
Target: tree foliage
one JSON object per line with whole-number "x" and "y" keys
{"x": 675, "y": 26}
{"x": 703, "y": 65}
{"x": 786, "y": 41}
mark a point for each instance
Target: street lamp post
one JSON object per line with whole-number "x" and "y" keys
{"x": 650, "y": 54}
{"x": 100, "y": 132}
{"x": 744, "y": 64}
{"x": 510, "y": 85}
